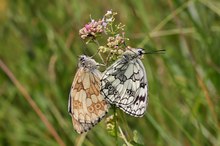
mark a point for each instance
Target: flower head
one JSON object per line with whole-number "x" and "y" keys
{"x": 92, "y": 29}
{"x": 115, "y": 42}
{"x": 109, "y": 16}
{"x": 108, "y": 13}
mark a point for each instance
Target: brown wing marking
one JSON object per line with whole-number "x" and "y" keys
{"x": 97, "y": 106}
{"x": 88, "y": 104}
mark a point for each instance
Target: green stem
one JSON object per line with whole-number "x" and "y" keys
{"x": 125, "y": 126}
{"x": 97, "y": 43}
{"x": 124, "y": 138}
{"x": 115, "y": 122}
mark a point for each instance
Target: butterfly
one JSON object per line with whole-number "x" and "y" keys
{"x": 86, "y": 105}
{"x": 125, "y": 85}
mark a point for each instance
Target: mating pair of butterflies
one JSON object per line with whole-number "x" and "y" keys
{"x": 123, "y": 84}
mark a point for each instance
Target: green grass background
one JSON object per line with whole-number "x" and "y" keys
{"x": 39, "y": 43}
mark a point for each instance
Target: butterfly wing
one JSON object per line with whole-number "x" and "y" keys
{"x": 121, "y": 85}
{"x": 139, "y": 105}
{"x": 81, "y": 127}
{"x": 86, "y": 105}
{"x": 120, "y": 82}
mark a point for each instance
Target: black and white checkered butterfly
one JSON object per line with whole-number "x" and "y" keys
{"x": 124, "y": 83}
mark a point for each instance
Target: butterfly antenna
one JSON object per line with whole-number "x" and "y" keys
{"x": 98, "y": 51}
{"x": 162, "y": 51}
{"x": 124, "y": 43}
{"x": 101, "y": 64}
{"x": 95, "y": 53}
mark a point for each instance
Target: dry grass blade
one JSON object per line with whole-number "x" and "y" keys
{"x": 32, "y": 103}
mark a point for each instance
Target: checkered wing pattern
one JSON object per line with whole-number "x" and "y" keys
{"x": 124, "y": 84}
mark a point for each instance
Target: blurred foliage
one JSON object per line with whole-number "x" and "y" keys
{"x": 39, "y": 42}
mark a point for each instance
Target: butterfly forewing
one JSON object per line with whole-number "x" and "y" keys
{"x": 118, "y": 81}
{"x": 86, "y": 105}
{"x": 122, "y": 84}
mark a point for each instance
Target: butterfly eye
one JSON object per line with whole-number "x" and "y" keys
{"x": 140, "y": 52}
{"x": 82, "y": 58}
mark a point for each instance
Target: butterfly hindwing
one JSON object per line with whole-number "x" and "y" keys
{"x": 81, "y": 127}
{"x": 86, "y": 105}
{"x": 138, "y": 107}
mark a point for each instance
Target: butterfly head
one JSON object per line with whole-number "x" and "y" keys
{"x": 132, "y": 53}
{"x": 87, "y": 62}
{"x": 140, "y": 52}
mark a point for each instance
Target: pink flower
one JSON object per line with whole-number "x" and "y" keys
{"x": 92, "y": 29}
{"x": 87, "y": 26}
